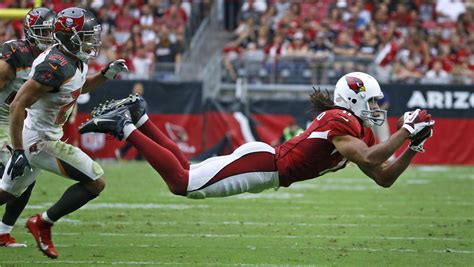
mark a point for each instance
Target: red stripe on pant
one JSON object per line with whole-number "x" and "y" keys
{"x": 163, "y": 161}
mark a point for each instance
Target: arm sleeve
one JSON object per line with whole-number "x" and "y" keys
{"x": 49, "y": 73}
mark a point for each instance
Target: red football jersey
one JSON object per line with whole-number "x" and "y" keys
{"x": 312, "y": 153}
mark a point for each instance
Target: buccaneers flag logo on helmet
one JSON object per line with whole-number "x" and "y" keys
{"x": 355, "y": 84}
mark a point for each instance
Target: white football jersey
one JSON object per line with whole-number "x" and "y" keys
{"x": 47, "y": 116}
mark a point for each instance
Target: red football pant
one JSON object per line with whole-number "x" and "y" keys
{"x": 163, "y": 160}
{"x": 155, "y": 134}
{"x": 250, "y": 168}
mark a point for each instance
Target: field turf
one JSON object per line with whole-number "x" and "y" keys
{"x": 340, "y": 219}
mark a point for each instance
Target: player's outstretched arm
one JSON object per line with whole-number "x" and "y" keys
{"x": 371, "y": 160}
{"x": 108, "y": 73}
{"x": 416, "y": 126}
{"x": 28, "y": 94}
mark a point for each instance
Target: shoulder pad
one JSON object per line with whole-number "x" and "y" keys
{"x": 340, "y": 114}
{"x": 17, "y": 53}
{"x": 342, "y": 122}
{"x": 58, "y": 57}
{"x": 54, "y": 70}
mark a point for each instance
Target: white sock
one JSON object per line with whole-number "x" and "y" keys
{"x": 127, "y": 130}
{"x": 5, "y": 229}
{"x": 142, "y": 120}
{"x": 44, "y": 217}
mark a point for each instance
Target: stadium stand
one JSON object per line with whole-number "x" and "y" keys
{"x": 151, "y": 35}
{"x": 317, "y": 41}
{"x": 282, "y": 41}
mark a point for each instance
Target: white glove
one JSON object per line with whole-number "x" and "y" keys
{"x": 415, "y": 121}
{"x": 114, "y": 68}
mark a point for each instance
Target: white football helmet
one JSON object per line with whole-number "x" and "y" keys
{"x": 354, "y": 91}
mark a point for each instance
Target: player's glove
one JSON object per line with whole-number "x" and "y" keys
{"x": 417, "y": 141}
{"x": 415, "y": 121}
{"x": 17, "y": 164}
{"x": 114, "y": 68}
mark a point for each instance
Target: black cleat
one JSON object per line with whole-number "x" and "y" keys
{"x": 109, "y": 123}
{"x": 135, "y": 104}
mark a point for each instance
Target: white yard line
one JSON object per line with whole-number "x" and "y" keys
{"x": 447, "y": 250}
{"x": 434, "y": 238}
{"x": 293, "y": 215}
{"x": 241, "y": 223}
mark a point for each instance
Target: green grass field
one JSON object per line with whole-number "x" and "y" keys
{"x": 425, "y": 219}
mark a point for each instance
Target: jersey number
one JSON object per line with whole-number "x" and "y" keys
{"x": 66, "y": 110}
{"x": 320, "y": 116}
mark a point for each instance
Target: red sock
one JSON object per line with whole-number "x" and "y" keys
{"x": 163, "y": 161}
{"x": 155, "y": 134}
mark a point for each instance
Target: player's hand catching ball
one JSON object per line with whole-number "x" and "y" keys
{"x": 114, "y": 68}
{"x": 415, "y": 121}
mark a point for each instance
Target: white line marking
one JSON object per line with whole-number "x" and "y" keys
{"x": 436, "y": 238}
{"x": 94, "y": 206}
{"x": 325, "y": 186}
{"x": 432, "y": 168}
{"x": 271, "y": 195}
{"x": 244, "y": 223}
{"x": 447, "y": 250}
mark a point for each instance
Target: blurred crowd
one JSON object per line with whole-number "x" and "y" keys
{"x": 146, "y": 33}
{"x": 418, "y": 41}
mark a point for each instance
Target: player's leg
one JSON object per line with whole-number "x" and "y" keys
{"x": 255, "y": 159}
{"x": 250, "y": 168}
{"x": 136, "y": 107}
{"x": 14, "y": 205}
{"x": 13, "y": 209}
{"x": 148, "y": 128}
{"x": 17, "y": 192}
{"x": 119, "y": 123}
{"x": 71, "y": 162}
{"x": 161, "y": 159}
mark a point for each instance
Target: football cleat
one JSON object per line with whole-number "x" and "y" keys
{"x": 109, "y": 123}
{"x": 135, "y": 104}
{"x": 6, "y": 240}
{"x": 41, "y": 231}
